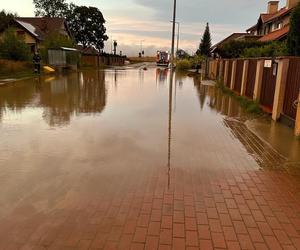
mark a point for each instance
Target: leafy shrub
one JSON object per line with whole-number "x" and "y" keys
{"x": 184, "y": 64}
{"x": 12, "y": 48}
{"x": 189, "y": 63}
{"x": 54, "y": 41}
{"x": 269, "y": 50}
{"x": 5, "y": 19}
{"x": 234, "y": 49}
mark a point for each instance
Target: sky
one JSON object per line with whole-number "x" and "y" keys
{"x": 137, "y": 24}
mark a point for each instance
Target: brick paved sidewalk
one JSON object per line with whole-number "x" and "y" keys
{"x": 223, "y": 202}
{"x": 249, "y": 210}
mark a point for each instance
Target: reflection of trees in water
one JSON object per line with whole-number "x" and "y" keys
{"x": 16, "y": 96}
{"x": 73, "y": 94}
{"x": 60, "y": 97}
{"x": 223, "y": 103}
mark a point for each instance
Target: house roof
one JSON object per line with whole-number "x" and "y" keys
{"x": 40, "y": 26}
{"x": 276, "y": 35}
{"x": 266, "y": 18}
{"x": 90, "y": 50}
{"x": 229, "y": 38}
{"x": 282, "y": 12}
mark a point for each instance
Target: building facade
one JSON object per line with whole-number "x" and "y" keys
{"x": 274, "y": 24}
{"x": 33, "y": 30}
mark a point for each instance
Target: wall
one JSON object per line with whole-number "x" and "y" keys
{"x": 102, "y": 60}
{"x": 276, "y": 87}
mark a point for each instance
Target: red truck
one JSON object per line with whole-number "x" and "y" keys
{"x": 163, "y": 58}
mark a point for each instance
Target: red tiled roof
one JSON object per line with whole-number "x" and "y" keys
{"x": 265, "y": 18}
{"x": 281, "y": 12}
{"x": 276, "y": 35}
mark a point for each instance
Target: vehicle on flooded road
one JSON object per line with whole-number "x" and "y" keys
{"x": 163, "y": 58}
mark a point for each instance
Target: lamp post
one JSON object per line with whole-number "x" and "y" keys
{"x": 173, "y": 34}
{"x": 178, "y": 34}
{"x": 142, "y": 47}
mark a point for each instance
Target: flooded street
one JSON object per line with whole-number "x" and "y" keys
{"x": 121, "y": 159}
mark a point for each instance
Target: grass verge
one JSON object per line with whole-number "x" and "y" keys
{"x": 249, "y": 105}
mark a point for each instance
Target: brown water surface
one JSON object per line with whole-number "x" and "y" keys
{"x": 77, "y": 150}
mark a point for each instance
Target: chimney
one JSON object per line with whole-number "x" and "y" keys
{"x": 291, "y": 3}
{"x": 273, "y": 6}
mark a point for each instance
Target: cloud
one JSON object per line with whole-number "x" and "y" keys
{"x": 130, "y": 21}
{"x": 156, "y": 35}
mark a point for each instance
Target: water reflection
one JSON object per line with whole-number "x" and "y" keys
{"x": 170, "y": 109}
{"x": 283, "y": 150}
{"x": 214, "y": 98}
{"x": 161, "y": 75}
{"x": 59, "y": 97}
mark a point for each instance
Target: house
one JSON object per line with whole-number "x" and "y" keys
{"x": 233, "y": 37}
{"x": 33, "y": 30}
{"x": 274, "y": 25}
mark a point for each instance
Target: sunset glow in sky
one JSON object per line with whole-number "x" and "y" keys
{"x": 132, "y": 21}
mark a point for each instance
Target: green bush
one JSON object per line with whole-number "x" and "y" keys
{"x": 12, "y": 48}
{"x": 54, "y": 41}
{"x": 184, "y": 64}
{"x": 234, "y": 49}
{"x": 269, "y": 50}
{"x": 249, "y": 106}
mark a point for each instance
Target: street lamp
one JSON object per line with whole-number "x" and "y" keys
{"x": 142, "y": 47}
{"x": 178, "y": 33}
{"x": 173, "y": 34}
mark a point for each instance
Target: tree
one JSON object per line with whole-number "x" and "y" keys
{"x": 54, "y": 41}
{"x": 205, "y": 45}
{"x": 51, "y": 8}
{"x": 12, "y": 48}
{"x": 87, "y": 26}
{"x": 5, "y": 19}
{"x": 293, "y": 41}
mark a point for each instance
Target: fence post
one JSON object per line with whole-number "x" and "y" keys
{"x": 297, "y": 123}
{"x": 244, "y": 78}
{"x": 282, "y": 72}
{"x": 226, "y": 71}
{"x": 258, "y": 80}
{"x": 233, "y": 74}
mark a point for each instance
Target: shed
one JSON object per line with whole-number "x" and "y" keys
{"x": 63, "y": 57}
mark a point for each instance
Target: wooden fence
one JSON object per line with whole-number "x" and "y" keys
{"x": 292, "y": 88}
{"x": 250, "y": 79}
{"x": 273, "y": 82}
{"x": 102, "y": 60}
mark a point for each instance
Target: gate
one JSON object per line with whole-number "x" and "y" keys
{"x": 229, "y": 74}
{"x": 239, "y": 75}
{"x": 292, "y": 88}
{"x": 268, "y": 86}
{"x": 250, "y": 82}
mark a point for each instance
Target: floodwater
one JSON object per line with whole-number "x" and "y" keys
{"x": 72, "y": 142}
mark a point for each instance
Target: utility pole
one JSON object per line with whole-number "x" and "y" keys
{"x": 173, "y": 35}
{"x": 178, "y": 33}
{"x": 178, "y": 23}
